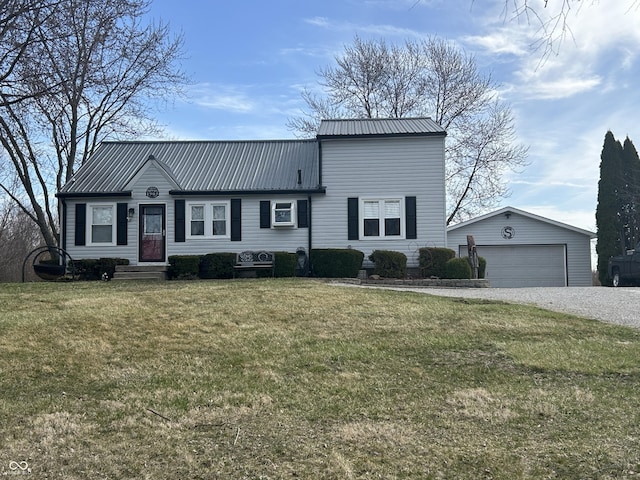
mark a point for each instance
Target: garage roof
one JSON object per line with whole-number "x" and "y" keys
{"x": 379, "y": 127}
{"x": 506, "y": 210}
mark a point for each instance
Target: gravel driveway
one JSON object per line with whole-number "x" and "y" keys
{"x": 613, "y": 305}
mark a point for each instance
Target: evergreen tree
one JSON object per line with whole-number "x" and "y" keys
{"x": 608, "y": 222}
{"x": 629, "y": 197}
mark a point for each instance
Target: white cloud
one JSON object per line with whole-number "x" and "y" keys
{"x": 232, "y": 103}
{"x": 221, "y": 97}
{"x": 244, "y": 99}
{"x": 406, "y": 5}
{"x": 581, "y": 218}
{"x": 543, "y": 182}
{"x": 586, "y": 26}
{"x": 499, "y": 42}
{"x": 593, "y": 35}
{"x": 306, "y": 51}
{"x": 382, "y": 30}
{"x": 257, "y": 131}
{"x": 628, "y": 58}
{"x": 322, "y": 22}
{"x": 555, "y": 88}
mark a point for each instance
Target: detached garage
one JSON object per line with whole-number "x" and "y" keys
{"x": 526, "y": 250}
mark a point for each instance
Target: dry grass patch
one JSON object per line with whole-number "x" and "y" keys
{"x": 299, "y": 379}
{"x": 479, "y": 403}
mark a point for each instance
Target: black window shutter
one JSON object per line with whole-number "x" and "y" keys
{"x": 236, "y": 219}
{"x": 81, "y": 224}
{"x": 180, "y": 220}
{"x": 265, "y": 214}
{"x": 411, "y": 217}
{"x": 303, "y": 214}
{"x": 352, "y": 219}
{"x": 121, "y": 225}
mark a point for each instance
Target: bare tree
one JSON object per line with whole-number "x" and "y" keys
{"x": 481, "y": 141}
{"x": 553, "y": 28}
{"x": 18, "y": 237}
{"x": 552, "y": 20}
{"x": 374, "y": 80}
{"x": 19, "y": 21}
{"x": 88, "y": 72}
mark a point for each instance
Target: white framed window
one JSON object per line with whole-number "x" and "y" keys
{"x": 283, "y": 214}
{"x": 208, "y": 219}
{"x": 102, "y": 224}
{"x": 382, "y": 218}
{"x": 219, "y": 220}
{"x": 196, "y": 220}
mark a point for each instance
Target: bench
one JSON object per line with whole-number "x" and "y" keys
{"x": 248, "y": 261}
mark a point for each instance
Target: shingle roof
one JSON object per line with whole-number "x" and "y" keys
{"x": 204, "y": 166}
{"x": 378, "y": 127}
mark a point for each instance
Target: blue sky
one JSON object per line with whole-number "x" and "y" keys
{"x": 249, "y": 60}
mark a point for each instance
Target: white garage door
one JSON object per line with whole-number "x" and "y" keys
{"x": 524, "y": 265}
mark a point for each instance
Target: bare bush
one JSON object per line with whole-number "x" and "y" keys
{"x": 18, "y": 236}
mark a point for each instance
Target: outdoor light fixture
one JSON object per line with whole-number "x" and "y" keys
{"x": 508, "y": 215}
{"x": 130, "y": 213}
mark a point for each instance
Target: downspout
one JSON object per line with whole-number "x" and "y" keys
{"x": 319, "y": 163}
{"x": 309, "y": 233}
{"x": 62, "y": 241}
{"x": 310, "y": 239}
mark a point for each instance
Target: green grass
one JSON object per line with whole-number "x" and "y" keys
{"x": 281, "y": 379}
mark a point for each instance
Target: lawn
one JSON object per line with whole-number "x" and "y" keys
{"x": 278, "y": 379}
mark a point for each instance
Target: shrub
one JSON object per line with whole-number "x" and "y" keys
{"x": 457, "y": 268}
{"x": 482, "y": 266}
{"x": 217, "y": 265}
{"x": 108, "y": 265}
{"x": 84, "y": 268}
{"x": 93, "y": 269}
{"x": 336, "y": 263}
{"x": 183, "y": 267}
{"x": 389, "y": 264}
{"x": 286, "y": 264}
{"x": 432, "y": 261}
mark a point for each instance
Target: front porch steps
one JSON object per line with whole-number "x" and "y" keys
{"x": 140, "y": 272}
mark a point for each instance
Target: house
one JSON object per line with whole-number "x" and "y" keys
{"x": 526, "y": 250}
{"x": 362, "y": 184}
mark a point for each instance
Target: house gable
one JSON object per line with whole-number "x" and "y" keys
{"x": 155, "y": 168}
{"x": 524, "y": 249}
{"x": 277, "y": 195}
{"x": 507, "y": 211}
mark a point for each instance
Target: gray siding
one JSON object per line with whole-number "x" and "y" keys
{"x": 128, "y": 251}
{"x": 381, "y": 168}
{"x": 282, "y": 239}
{"x": 529, "y": 231}
{"x": 253, "y": 237}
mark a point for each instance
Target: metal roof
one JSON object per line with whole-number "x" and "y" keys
{"x": 202, "y": 166}
{"x": 532, "y": 216}
{"x": 378, "y": 127}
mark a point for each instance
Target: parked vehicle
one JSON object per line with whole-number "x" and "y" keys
{"x": 625, "y": 269}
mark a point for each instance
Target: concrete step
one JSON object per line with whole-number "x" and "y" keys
{"x": 140, "y": 272}
{"x": 141, "y": 268}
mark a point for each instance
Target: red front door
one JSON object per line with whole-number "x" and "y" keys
{"x": 152, "y": 233}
